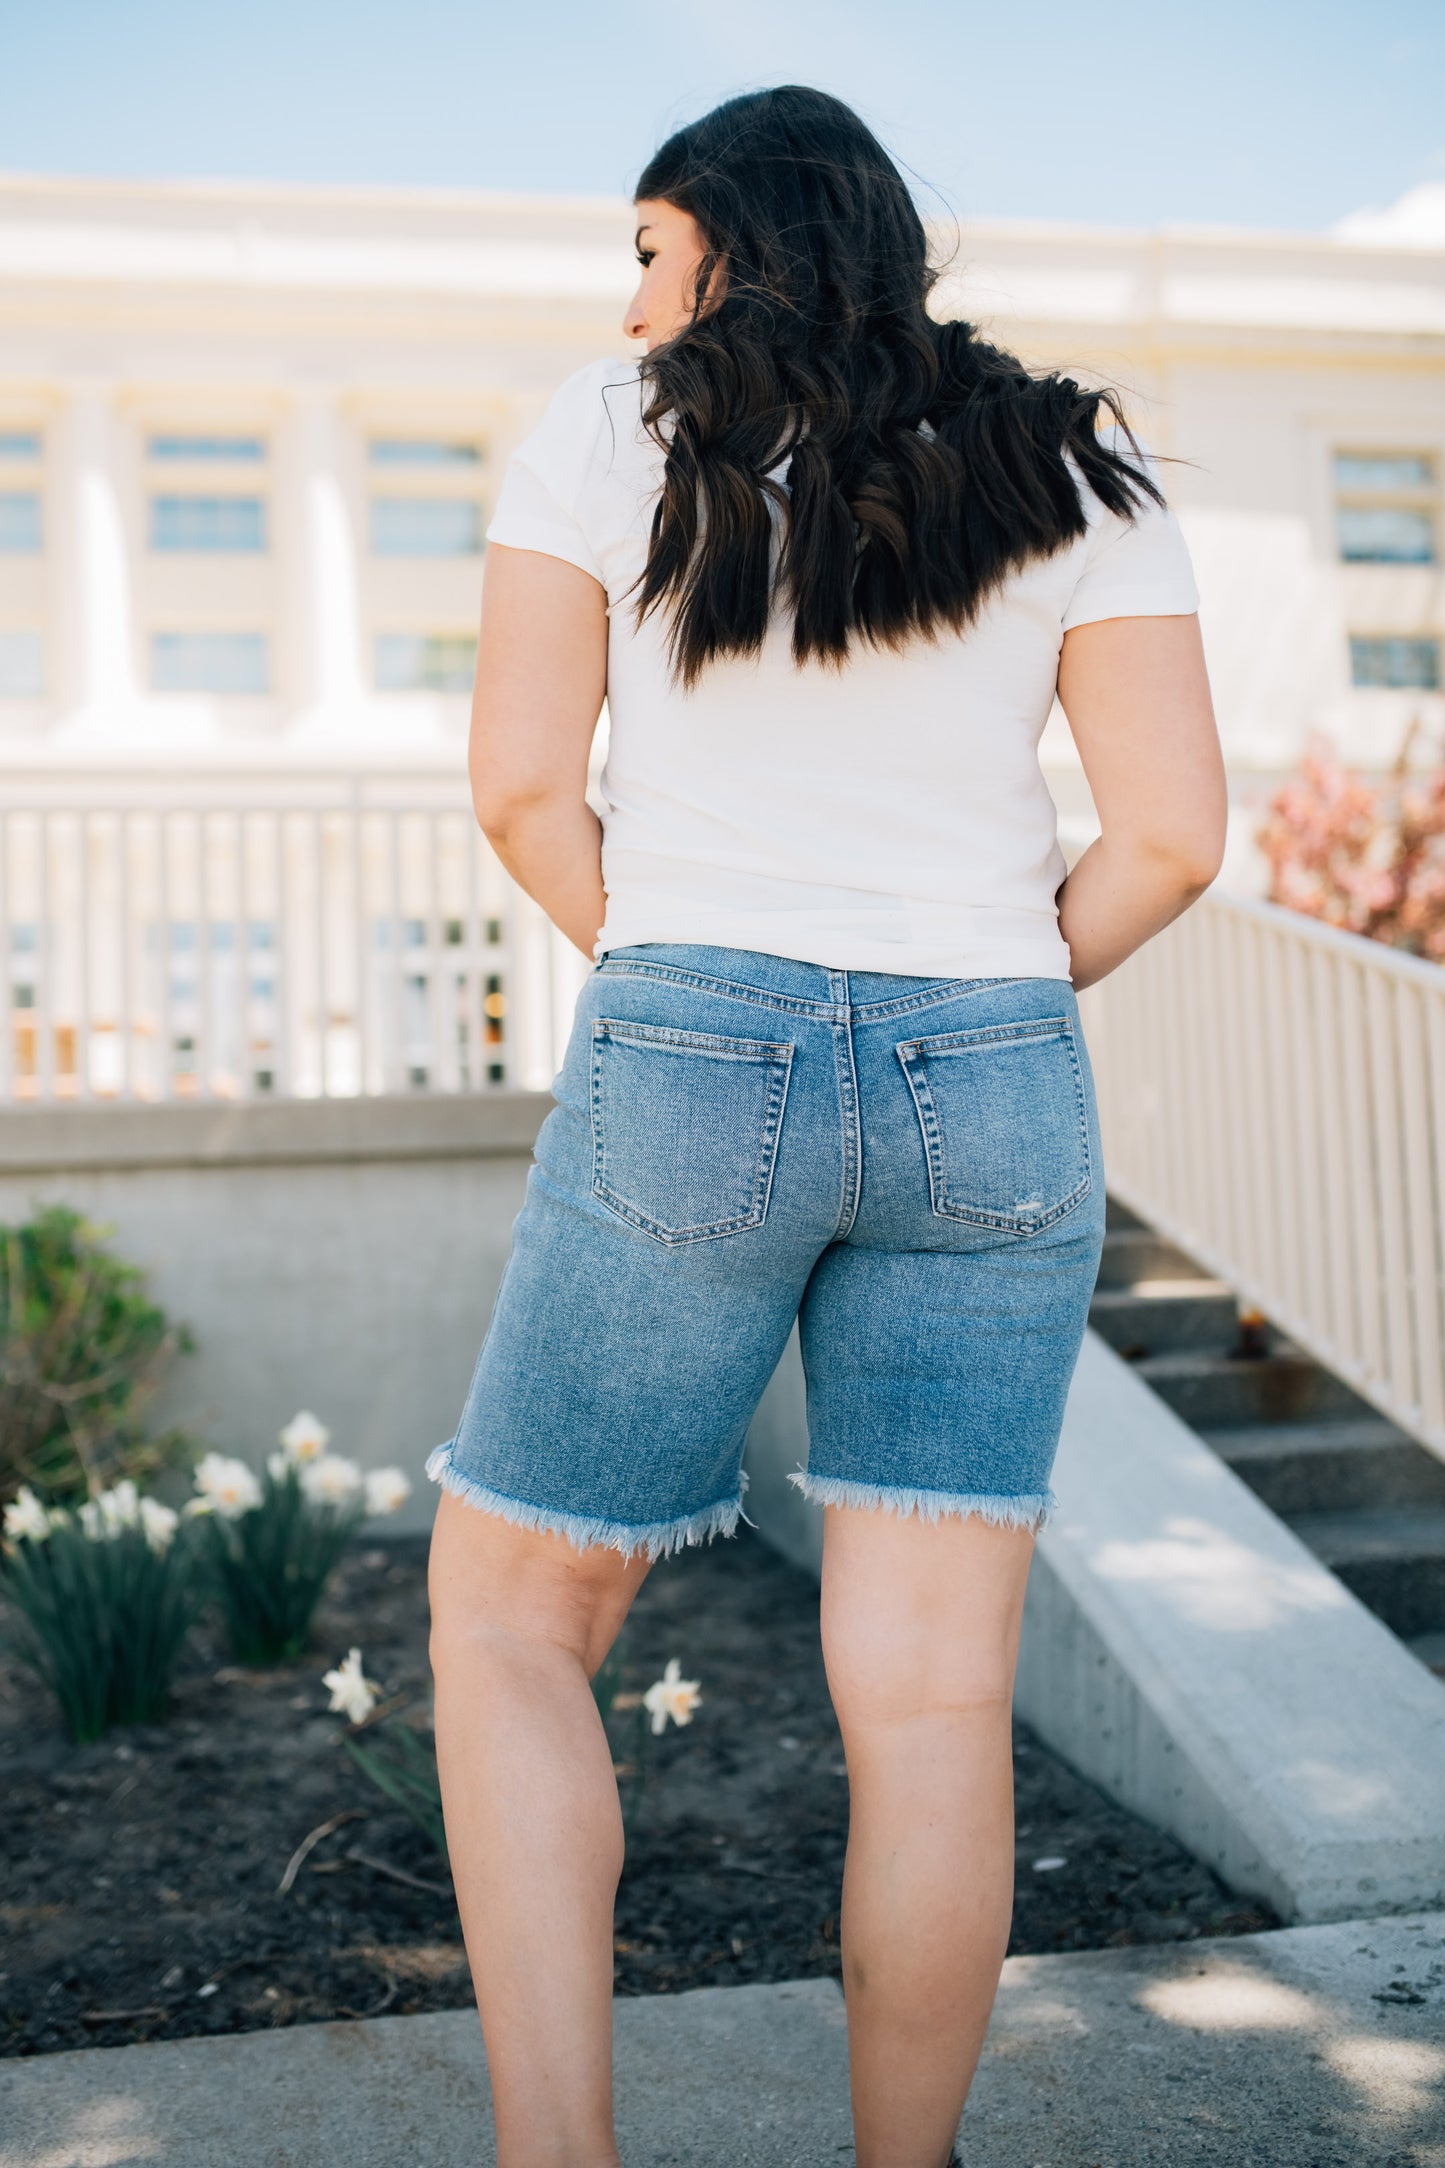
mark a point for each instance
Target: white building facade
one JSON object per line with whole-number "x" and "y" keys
{"x": 249, "y": 439}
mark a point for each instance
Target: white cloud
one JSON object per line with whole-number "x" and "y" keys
{"x": 1417, "y": 220}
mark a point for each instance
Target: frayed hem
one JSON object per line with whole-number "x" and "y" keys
{"x": 655, "y": 1539}
{"x": 1030, "y": 1511}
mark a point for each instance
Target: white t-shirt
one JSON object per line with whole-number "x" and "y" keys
{"x": 891, "y": 817}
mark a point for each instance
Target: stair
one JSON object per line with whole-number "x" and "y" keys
{"x": 1393, "y": 1557}
{"x": 1135, "y": 1255}
{"x": 1179, "y": 1315}
{"x": 1365, "y": 1497}
{"x": 1330, "y": 1467}
{"x": 1210, "y": 1391}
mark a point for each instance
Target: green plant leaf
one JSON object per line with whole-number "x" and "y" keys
{"x": 100, "y": 1621}
{"x": 82, "y": 1350}
{"x": 269, "y": 1567}
{"x": 405, "y": 1771}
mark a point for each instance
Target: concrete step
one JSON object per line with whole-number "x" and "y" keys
{"x": 1118, "y": 1216}
{"x": 1132, "y": 1254}
{"x": 1331, "y": 1467}
{"x": 1430, "y": 1648}
{"x": 1217, "y": 1392}
{"x": 1316, "y": 2047}
{"x": 1393, "y": 1557}
{"x": 1166, "y": 1317}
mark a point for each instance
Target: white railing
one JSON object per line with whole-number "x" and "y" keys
{"x": 1273, "y": 1099}
{"x": 1272, "y": 1091}
{"x": 347, "y": 937}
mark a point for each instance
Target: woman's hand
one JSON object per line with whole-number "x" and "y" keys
{"x": 541, "y": 680}
{"x": 1136, "y": 694}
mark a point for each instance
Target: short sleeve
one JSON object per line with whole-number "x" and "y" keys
{"x": 1137, "y": 567}
{"x": 547, "y": 475}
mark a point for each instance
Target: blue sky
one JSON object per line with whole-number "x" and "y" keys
{"x": 1252, "y": 112}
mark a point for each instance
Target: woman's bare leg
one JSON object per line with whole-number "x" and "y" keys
{"x": 920, "y": 1634}
{"x": 520, "y": 1622}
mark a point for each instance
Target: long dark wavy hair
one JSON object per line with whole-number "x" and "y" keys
{"x": 810, "y": 340}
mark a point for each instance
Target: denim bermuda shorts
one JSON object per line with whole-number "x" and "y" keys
{"x": 907, "y": 1168}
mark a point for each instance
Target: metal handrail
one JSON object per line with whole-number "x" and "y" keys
{"x": 1272, "y": 1092}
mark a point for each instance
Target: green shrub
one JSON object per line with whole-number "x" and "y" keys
{"x": 100, "y": 1601}
{"x": 82, "y": 1350}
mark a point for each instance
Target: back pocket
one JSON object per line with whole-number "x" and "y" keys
{"x": 685, "y": 1128}
{"x": 1005, "y": 1122}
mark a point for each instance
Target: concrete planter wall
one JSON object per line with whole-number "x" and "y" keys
{"x": 341, "y": 1255}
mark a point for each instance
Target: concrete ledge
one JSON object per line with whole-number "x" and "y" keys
{"x": 259, "y": 1132}
{"x": 1320, "y": 2045}
{"x": 1185, "y": 1651}
{"x": 341, "y": 1255}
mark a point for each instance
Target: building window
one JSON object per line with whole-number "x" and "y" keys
{"x": 22, "y": 445}
{"x": 426, "y": 527}
{"x": 1384, "y": 470}
{"x": 424, "y": 452}
{"x": 441, "y": 513}
{"x": 22, "y": 666}
{"x": 249, "y": 451}
{"x": 19, "y": 521}
{"x": 1386, "y": 507}
{"x": 209, "y": 662}
{"x": 1386, "y": 534}
{"x": 192, "y": 514}
{"x": 430, "y": 662}
{"x": 1400, "y": 662}
{"x": 234, "y": 524}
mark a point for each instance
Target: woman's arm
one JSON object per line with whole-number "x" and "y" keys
{"x": 541, "y": 681}
{"x": 1136, "y": 695}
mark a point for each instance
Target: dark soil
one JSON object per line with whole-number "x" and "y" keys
{"x": 139, "y": 1896}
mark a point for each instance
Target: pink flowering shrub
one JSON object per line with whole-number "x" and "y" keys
{"x": 1368, "y": 858}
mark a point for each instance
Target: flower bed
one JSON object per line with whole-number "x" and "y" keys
{"x": 97, "y": 1599}
{"x": 1367, "y": 858}
{"x": 140, "y": 1895}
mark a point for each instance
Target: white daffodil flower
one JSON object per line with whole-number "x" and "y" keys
{"x": 330, "y": 1481}
{"x": 351, "y": 1690}
{"x": 386, "y": 1489}
{"x": 305, "y": 1437}
{"x": 671, "y": 1696}
{"x": 26, "y": 1516}
{"x": 159, "y": 1522}
{"x": 228, "y": 1487}
{"x": 277, "y": 1465}
{"x": 109, "y": 1511}
{"x": 119, "y": 1506}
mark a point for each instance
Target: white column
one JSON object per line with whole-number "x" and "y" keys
{"x": 94, "y": 662}
{"x": 321, "y": 576}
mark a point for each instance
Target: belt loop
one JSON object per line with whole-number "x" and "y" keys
{"x": 838, "y": 988}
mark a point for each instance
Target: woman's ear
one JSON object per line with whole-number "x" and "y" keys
{"x": 711, "y": 282}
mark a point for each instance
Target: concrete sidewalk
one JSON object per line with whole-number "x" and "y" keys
{"x": 1315, "y": 2047}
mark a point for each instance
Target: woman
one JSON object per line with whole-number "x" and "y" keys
{"x": 828, "y": 561}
